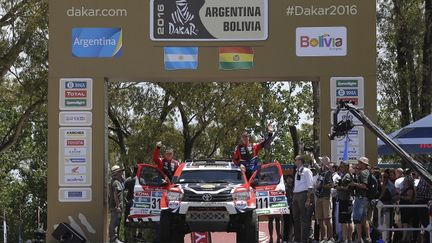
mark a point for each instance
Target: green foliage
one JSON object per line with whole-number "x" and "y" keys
{"x": 205, "y": 119}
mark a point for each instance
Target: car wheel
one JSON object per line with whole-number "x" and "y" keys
{"x": 250, "y": 227}
{"x": 165, "y": 233}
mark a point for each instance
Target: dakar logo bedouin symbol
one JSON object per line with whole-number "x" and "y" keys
{"x": 181, "y": 20}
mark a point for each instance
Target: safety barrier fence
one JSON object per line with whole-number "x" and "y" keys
{"x": 384, "y": 228}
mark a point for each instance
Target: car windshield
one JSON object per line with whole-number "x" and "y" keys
{"x": 150, "y": 177}
{"x": 211, "y": 176}
{"x": 268, "y": 176}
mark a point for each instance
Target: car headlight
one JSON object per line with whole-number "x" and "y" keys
{"x": 241, "y": 196}
{"x": 174, "y": 196}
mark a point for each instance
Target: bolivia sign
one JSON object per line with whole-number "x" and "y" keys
{"x": 321, "y": 41}
{"x": 208, "y": 20}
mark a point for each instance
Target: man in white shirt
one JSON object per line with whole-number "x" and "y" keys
{"x": 303, "y": 187}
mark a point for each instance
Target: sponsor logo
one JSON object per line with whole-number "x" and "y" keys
{"x": 75, "y": 170}
{"x": 75, "y": 133}
{"x": 75, "y": 179}
{"x": 141, "y": 205}
{"x": 143, "y": 199}
{"x": 346, "y": 92}
{"x": 278, "y": 205}
{"x": 346, "y": 83}
{"x": 75, "y": 160}
{"x": 142, "y": 194}
{"x": 75, "y": 142}
{"x": 157, "y": 194}
{"x": 207, "y": 197}
{"x": 425, "y": 146}
{"x": 75, "y": 194}
{"x": 75, "y": 102}
{"x": 76, "y": 93}
{"x": 173, "y": 204}
{"x": 276, "y": 193}
{"x": 75, "y": 85}
{"x": 75, "y": 151}
{"x": 96, "y": 42}
{"x": 154, "y": 212}
{"x": 277, "y": 199}
{"x": 261, "y": 194}
{"x": 321, "y": 41}
{"x": 241, "y": 204}
{"x": 353, "y": 101}
{"x": 208, "y": 186}
{"x": 262, "y": 212}
{"x": 181, "y": 20}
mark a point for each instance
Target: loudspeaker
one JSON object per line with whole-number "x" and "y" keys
{"x": 64, "y": 233}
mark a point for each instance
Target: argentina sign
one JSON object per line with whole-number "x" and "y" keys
{"x": 208, "y": 20}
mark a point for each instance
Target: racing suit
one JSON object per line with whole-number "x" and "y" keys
{"x": 247, "y": 154}
{"x": 168, "y": 167}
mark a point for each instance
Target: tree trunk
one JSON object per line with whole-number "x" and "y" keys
{"x": 120, "y": 134}
{"x": 294, "y": 136}
{"x": 316, "y": 118}
{"x": 401, "y": 61}
{"x": 426, "y": 90}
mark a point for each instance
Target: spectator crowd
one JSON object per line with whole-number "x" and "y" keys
{"x": 337, "y": 202}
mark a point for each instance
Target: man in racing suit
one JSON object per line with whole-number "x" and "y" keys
{"x": 245, "y": 154}
{"x": 167, "y": 164}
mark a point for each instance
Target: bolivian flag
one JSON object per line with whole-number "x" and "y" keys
{"x": 234, "y": 58}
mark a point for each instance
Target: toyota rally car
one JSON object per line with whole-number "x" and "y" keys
{"x": 215, "y": 196}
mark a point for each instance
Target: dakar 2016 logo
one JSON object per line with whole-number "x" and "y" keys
{"x": 182, "y": 20}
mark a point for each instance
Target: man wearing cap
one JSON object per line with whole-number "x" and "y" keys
{"x": 116, "y": 201}
{"x": 302, "y": 198}
{"x": 361, "y": 203}
{"x": 167, "y": 164}
{"x": 323, "y": 186}
{"x": 246, "y": 153}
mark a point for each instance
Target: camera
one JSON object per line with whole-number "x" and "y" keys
{"x": 341, "y": 129}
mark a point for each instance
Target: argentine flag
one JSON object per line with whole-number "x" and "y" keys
{"x": 180, "y": 58}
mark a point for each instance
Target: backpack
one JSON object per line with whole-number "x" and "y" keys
{"x": 372, "y": 187}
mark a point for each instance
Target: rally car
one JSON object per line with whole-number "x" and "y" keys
{"x": 215, "y": 196}
{"x": 145, "y": 208}
{"x": 269, "y": 188}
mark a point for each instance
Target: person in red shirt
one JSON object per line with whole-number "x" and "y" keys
{"x": 167, "y": 164}
{"x": 245, "y": 154}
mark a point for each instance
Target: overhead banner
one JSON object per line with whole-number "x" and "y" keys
{"x": 208, "y": 20}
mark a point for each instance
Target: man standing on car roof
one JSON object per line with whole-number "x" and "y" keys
{"x": 245, "y": 154}
{"x": 167, "y": 164}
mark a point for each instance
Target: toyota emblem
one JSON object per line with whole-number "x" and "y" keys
{"x": 207, "y": 197}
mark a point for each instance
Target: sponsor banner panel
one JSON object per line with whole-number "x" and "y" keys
{"x": 75, "y": 94}
{"x": 75, "y": 153}
{"x": 75, "y": 194}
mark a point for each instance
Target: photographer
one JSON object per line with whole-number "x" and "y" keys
{"x": 344, "y": 195}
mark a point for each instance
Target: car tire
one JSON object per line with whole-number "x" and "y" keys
{"x": 165, "y": 233}
{"x": 250, "y": 231}
{"x": 170, "y": 232}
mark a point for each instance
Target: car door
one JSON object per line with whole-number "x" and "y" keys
{"x": 269, "y": 187}
{"x": 150, "y": 185}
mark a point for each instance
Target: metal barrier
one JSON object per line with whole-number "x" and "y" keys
{"x": 381, "y": 228}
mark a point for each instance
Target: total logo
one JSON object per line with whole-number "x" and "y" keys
{"x": 321, "y": 41}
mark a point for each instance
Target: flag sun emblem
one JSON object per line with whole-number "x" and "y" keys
{"x": 236, "y": 58}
